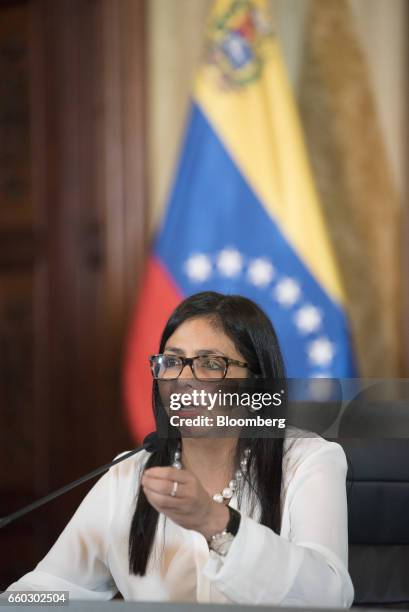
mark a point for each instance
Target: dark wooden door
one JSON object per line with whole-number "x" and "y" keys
{"x": 72, "y": 243}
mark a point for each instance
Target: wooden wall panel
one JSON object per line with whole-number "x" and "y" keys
{"x": 17, "y": 382}
{"x": 70, "y": 261}
{"x": 15, "y": 180}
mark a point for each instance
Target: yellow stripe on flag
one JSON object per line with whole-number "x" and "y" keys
{"x": 254, "y": 115}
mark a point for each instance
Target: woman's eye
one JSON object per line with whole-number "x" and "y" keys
{"x": 212, "y": 364}
{"x": 171, "y": 362}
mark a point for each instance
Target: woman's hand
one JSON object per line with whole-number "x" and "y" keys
{"x": 191, "y": 507}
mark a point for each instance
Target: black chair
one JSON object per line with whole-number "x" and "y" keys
{"x": 375, "y": 437}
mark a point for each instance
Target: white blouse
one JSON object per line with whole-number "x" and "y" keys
{"x": 306, "y": 565}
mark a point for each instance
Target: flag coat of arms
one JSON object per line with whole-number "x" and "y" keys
{"x": 243, "y": 215}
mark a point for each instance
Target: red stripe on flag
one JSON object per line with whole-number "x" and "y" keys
{"x": 158, "y": 297}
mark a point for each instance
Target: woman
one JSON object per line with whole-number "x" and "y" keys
{"x": 216, "y": 519}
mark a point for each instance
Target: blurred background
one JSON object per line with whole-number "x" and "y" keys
{"x": 94, "y": 96}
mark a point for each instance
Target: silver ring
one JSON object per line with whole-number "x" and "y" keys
{"x": 174, "y": 489}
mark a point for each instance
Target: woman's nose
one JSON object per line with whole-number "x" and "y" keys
{"x": 186, "y": 372}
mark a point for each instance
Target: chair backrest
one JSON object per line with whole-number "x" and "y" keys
{"x": 378, "y": 509}
{"x": 378, "y": 501}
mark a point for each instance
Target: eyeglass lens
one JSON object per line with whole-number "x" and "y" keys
{"x": 204, "y": 367}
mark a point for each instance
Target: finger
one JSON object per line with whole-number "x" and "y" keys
{"x": 168, "y": 473}
{"x": 163, "y": 487}
{"x": 165, "y": 502}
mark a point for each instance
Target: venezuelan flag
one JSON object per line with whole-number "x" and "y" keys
{"x": 243, "y": 216}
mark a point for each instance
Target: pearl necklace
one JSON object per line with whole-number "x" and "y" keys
{"x": 228, "y": 492}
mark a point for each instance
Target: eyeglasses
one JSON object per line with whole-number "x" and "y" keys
{"x": 206, "y": 367}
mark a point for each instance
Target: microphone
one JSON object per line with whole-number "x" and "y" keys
{"x": 151, "y": 443}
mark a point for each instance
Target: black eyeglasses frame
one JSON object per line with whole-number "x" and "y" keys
{"x": 190, "y": 362}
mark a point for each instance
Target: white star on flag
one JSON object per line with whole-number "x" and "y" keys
{"x": 287, "y": 292}
{"x": 229, "y": 262}
{"x": 260, "y": 272}
{"x": 308, "y": 319}
{"x": 198, "y": 268}
{"x": 321, "y": 351}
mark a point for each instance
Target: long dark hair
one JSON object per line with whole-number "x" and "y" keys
{"x": 254, "y": 337}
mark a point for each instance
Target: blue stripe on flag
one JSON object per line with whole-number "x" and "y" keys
{"x": 216, "y": 235}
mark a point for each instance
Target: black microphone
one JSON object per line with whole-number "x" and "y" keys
{"x": 151, "y": 443}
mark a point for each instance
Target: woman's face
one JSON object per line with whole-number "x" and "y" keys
{"x": 199, "y": 337}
